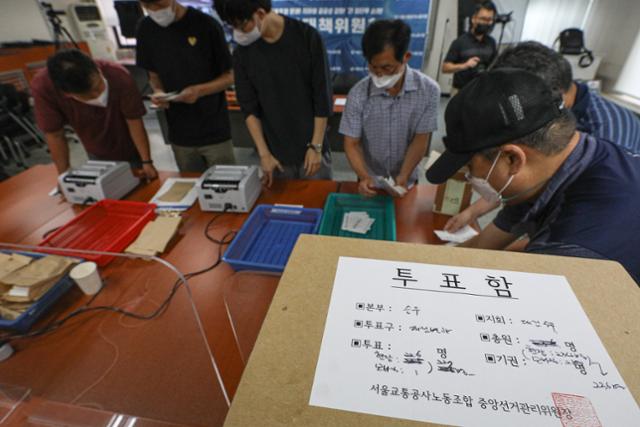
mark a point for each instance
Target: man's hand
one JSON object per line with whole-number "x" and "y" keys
{"x": 149, "y": 172}
{"x": 159, "y": 102}
{"x": 189, "y": 95}
{"x": 269, "y": 164}
{"x": 312, "y": 162}
{"x": 402, "y": 181}
{"x": 472, "y": 62}
{"x": 366, "y": 187}
{"x": 456, "y": 222}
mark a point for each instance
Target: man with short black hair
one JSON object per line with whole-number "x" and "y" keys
{"x": 390, "y": 114}
{"x": 472, "y": 52}
{"x": 185, "y": 51}
{"x": 283, "y": 87}
{"x": 559, "y": 186}
{"x": 100, "y": 101}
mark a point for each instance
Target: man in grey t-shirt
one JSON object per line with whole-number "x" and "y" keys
{"x": 390, "y": 114}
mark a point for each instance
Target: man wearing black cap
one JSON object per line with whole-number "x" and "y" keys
{"x": 573, "y": 194}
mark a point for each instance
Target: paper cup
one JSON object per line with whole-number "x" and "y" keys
{"x": 87, "y": 277}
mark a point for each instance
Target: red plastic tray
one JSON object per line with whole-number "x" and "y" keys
{"x": 108, "y": 226}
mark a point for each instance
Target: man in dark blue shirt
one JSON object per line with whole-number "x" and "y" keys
{"x": 595, "y": 115}
{"x": 574, "y": 195}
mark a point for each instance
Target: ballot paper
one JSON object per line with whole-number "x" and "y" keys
{"x": 389, "y": 185}
{"x": 465, "y": 346}
{"x": 460, "y": 236}
{"x": 176, "y": 194}
{"x": 166, "y": 96}
{"x": 357, "y": 222}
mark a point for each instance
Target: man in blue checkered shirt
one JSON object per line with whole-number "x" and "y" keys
{"x": 595, "y": 115}
{"x": 390, "y": 114}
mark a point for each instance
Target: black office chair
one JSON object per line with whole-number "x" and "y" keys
{"x": 343, "y": 82}
{"x": 18, "y": 132}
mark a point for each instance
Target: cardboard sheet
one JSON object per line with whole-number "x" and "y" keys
{"x": 155, "y": 236}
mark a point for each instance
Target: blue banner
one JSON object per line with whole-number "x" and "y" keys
{"x": 343, "y": 22}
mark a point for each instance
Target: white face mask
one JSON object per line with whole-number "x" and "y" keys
{"x": 163, "y": 17}
{"x": 485, "y": 189}
{"x": 386, "y": 82}
{"x": 102, "y": 99}
{"x": 245, "y": 39}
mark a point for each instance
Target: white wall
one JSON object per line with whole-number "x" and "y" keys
{"x": 545, "y": 19}
{"x": 22, "y": 20}
{"x": 513, "y": 30}
{"x": 628, "y": 82}
{"x": 610, "y": 32}
{"x": 443, "y": 33}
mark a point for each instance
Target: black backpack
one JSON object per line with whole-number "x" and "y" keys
{"x": 572, "y": 43}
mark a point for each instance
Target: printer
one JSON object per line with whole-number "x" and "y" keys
{"x": 229, "y": 188}
{"x": 97, "y": 180}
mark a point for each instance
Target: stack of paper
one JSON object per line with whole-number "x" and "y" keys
{"x": 27, "y": 283}
{"x": 176, "y": 194}
{"x": 357, "y": 222}
{"x": 389, "y": 185}
{"x": 162, "y": 96}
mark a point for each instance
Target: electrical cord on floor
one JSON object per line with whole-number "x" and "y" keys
{"x": 53, "y": 326}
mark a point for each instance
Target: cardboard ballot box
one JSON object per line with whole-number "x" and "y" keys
{"x": 277, "y": 383}
{"x": 453, "y": 196}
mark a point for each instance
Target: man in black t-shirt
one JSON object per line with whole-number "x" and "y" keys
{"x": 185, "y": 51}
{"x": 283, "y": 87}
{"x": 472, "y": 52}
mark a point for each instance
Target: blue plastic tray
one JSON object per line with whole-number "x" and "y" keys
{"x": 267, "y": 237}
{"x": 24, "y": 322}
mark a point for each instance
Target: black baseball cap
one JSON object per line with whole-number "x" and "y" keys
{"x": 495, "y": 108}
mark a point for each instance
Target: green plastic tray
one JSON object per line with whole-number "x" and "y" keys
{"x": 379, "y": 207}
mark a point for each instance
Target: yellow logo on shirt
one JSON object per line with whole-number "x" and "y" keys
{"x": 192, "y": 41}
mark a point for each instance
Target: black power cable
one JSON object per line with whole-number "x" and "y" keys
{"x": 54, "y": 325}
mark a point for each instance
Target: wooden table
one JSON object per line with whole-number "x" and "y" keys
{"x": 160, "y": 369}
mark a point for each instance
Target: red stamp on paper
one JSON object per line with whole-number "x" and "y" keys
{"x": 575, "y": 411}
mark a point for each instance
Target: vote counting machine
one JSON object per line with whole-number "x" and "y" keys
{"x": 97, "y": 180}
{"x": 229, "y": 188}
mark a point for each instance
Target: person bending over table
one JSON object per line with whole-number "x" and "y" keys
{"x": 100, "y": 101}
{"x": 572, "y": 193}
{"x": 594, "y": 114}
{"x": 390, "y": 114}
{"x": 283, "y": 88}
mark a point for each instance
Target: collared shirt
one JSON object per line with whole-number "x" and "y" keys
{"x": 465, "y": 47}
{"x": 605, "y": 119}
{"x": 387, "y": 124}
{"x": 103, "y": 130}
{"x": 590, "y": 208}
